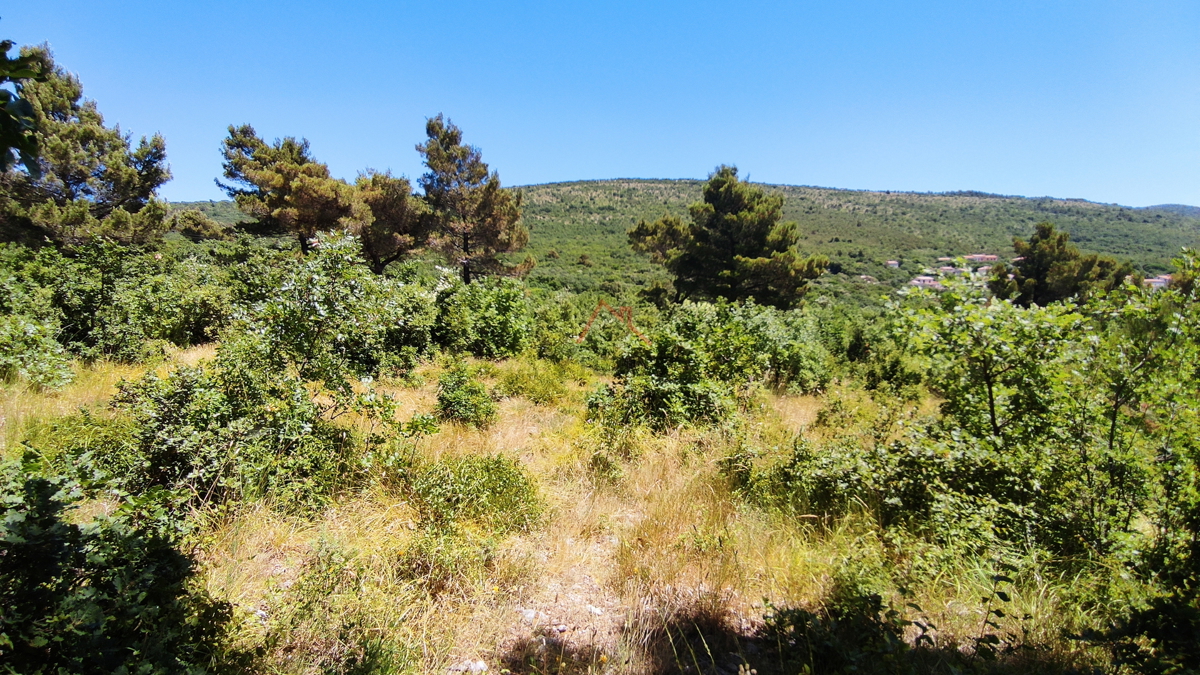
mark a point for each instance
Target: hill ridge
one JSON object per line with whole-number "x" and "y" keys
{"x": 578, "y": 228}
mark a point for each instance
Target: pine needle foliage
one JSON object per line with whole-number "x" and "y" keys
{"x": 736, "y": 246}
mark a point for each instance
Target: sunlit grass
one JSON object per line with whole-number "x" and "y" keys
{"x": 94, "y": 384}
{"x": 652, "y": 536}
{"x": 21, "y": 404}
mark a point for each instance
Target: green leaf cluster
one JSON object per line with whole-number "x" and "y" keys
{"x": 110, "y": 594}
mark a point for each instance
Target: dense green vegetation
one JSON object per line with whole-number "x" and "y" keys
{"x": 736, "y": 247}
{"x": 577, "y": 231}
{"x": 309, "y": 458}
{"x": 858, "y": 231}
{"x": 1062, "y": 446}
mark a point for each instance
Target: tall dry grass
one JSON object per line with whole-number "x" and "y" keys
{"x": 647, "y": 563}
{"x": 95, "y": 383}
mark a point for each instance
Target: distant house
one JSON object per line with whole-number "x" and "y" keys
{"x": 924, "y": 281}
{"x": 945, "y": 259}
{"x": 986, "y": 269}
{"x": 947, "y": 270}
{"x": 1159, "y": 282}
{"x": 982, "y": 257}
{"x": 894, "y": 264}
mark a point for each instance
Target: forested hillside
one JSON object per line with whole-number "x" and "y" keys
{"x": 577, "y": 230}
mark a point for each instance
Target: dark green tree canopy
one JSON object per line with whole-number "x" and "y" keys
{"x": 399, "y": 219}
{"x": 473, "y": 217}
{"x": 92, "y": 182}
{"x": 17, "y": 121}
{"x": 285, "y": 189}
{"x": 734, "y": 248}
{"x": 1049, "y": 269}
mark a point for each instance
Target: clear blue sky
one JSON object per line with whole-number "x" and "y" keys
{"x": 1092, "y": 99}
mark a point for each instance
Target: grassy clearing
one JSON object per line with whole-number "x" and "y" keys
{"x": 645, "y": 562}
{"x": 95, "y": 383}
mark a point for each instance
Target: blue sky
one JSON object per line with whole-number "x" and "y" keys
{"x": 1097, "y": 100}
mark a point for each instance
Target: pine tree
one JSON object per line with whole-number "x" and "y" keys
{"x": 284, "y": 188}
{"x": 734, "y": 248}
{"x": 473, "y": 217}
{"x": 90, "y": 181}
{"x": 399, "y": 220}
{"x": 17, "y": 122}
{"x": 1049, "y": 269}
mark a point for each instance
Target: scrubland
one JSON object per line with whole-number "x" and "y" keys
{"x": 374, "y": 474}
{"x": 645, "y": 558}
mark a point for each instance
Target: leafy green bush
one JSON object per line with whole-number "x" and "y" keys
{"x": 117, "y": 302}
{"x": 335, "y": 321}
{"x": 191, "y": 433}
{"x": 29, "y": 351}
{"x": 462, "y": 398}
{"x": 257, "y": 421}
{"x": 851, "y": 633}
{"x": 113, "y": 594}
{"x": 181, "y": 303}
{"x": 194, "y": 432}
{"x": 664, "y": 384}
{"x": 1061, "y": 427}
{"x": 557, "y": 323}
{"x": 745, "y": 343}
{"x": 489, "y": 319}
{"x": 705, "y": 359}
{"x": 494, "y": 491}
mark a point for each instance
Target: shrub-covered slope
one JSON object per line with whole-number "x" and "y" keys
{"x": 858, "y": 229}
{"x": 577, "y": 230}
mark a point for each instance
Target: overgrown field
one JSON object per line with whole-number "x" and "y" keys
{"x": 233, "y": 457}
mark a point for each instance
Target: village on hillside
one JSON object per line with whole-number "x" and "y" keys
{"x": 981, "y": 264}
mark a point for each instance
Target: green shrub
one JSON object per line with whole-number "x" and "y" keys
{"x": 334, "y": 321}
{"x": 659, "y": 403}
{"x": 190, "y": 433}
{"x": 29, "y": 351}
{"x": 256, "y": 422}
{"x": 182, "y": 303}
{"x": 706, "y": 359}
{"x": 122, "y": 303}
{"x": 747, "y": 343}
{"x": 110, "y": 595}
{"x": 851, "y": 633}
{"x": 489, "y": 319}
{"x": 664, "y": 384}
{"x": 462, "y": 398}
{"x": 556, "y": 325}
{"x": 493, "y": 491}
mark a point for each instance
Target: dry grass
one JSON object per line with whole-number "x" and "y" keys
{"x": 21, "y": 405}
{"x": 640, "y": 575}
{"x": 613, "y": 562}
{"x": 93, "y": 386}
{"x": 653, "y": 567}
{"x": 796, "y": 413}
